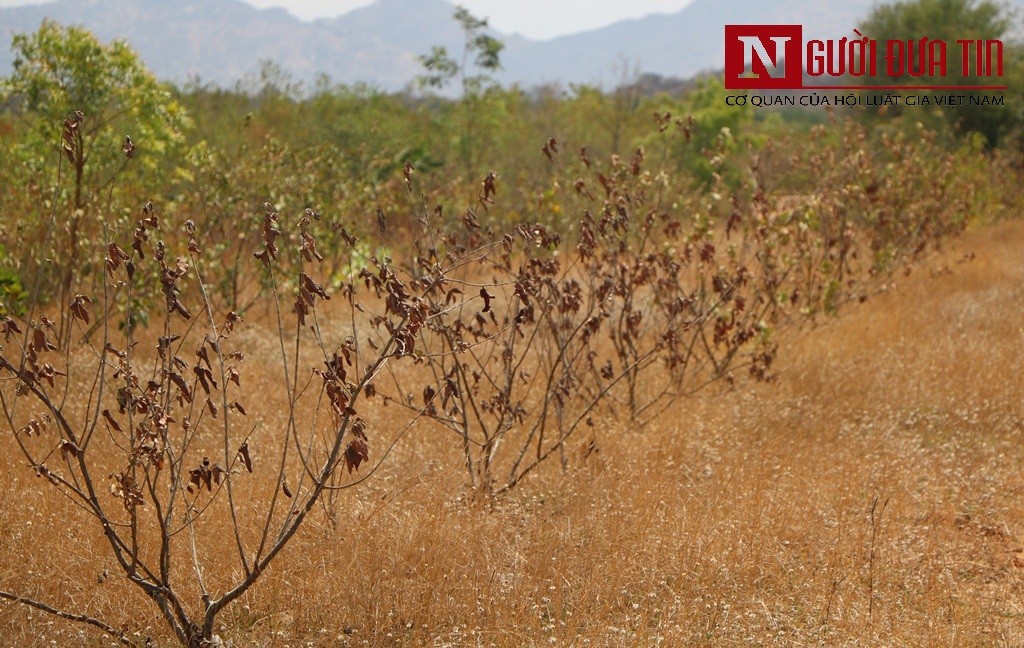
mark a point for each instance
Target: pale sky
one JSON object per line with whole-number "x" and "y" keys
{"x": 531, "y": 18}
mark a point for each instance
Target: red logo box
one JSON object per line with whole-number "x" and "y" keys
{"x": 763, "y": 57}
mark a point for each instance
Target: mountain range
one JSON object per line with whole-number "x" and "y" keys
{"x": 221, "y": 41}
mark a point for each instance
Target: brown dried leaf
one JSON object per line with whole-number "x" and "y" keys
{"x": 313, "y": 287}
{"x": 204, "y": 356}
{"x": 41, "y": 342}
{"x": 115, "y": 256}
{"x": 78, "y": 309}
{"x": 35, "y": 426}
{"x": 356, "y": 453}
{"x": 179, "y": 381}
{"x": 244, "y": 457}
{"x": 69, "y": 448}
{"x": 489, "y": 188}
{"x": 109, "y": 418}
{"x": 9, "y": 327}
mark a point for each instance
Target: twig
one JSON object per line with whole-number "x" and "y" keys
{"x": 81, "y": 618}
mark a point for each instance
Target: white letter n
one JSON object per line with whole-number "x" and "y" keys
{"x": 752, "y": 45}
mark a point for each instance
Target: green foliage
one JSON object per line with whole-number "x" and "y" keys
{"x": 950, "y": 20}
{"x": 482, "y": 48}
{"x": 13, "y": 295}
{"x": 59, "y": 70}
{"x": 119, "y": 129}
{"x": 362, "y": 257}
{"x": 478, "y": 111}
{"x": 608, "y": 118}
{"x": 441, "y": 68}
{"x": 371, "y": 163}
{"x": 485, "y": 49}
{"x": 713, "y": 134}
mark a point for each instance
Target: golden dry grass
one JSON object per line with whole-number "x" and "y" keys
{"x": 742, "y": 518}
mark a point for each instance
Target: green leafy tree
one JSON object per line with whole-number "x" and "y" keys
{"x": 950, "y": 21}
{"x": 481, "y": 58}
{"x": 481, "y": 48}
{"x": 114, "y": 112}
{"x": 606, "y": 116}
{"x": 712, "y": 133}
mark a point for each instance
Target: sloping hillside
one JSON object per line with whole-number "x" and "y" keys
{"x": 379, "y": 44}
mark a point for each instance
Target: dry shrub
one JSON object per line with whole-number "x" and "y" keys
{"x": 512, "y": 341}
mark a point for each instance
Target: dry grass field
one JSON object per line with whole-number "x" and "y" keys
{"x": 871, "y": 496}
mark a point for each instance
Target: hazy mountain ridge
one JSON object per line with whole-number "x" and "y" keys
{"x": 222, "y": 41}
{"x": 679, "y": 44}
{"x": 379, "y": 44}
